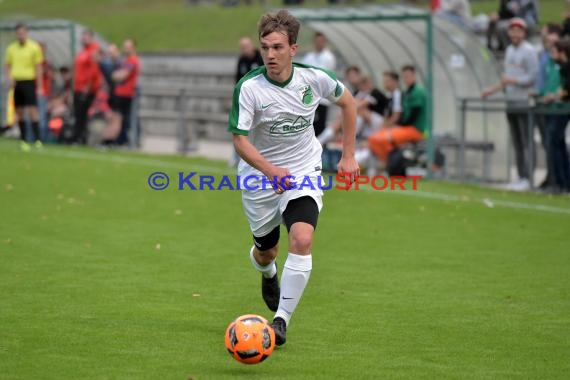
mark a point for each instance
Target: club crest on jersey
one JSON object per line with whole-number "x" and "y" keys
{"x": 306, "y": 94}
{"x": 289, "y": 126}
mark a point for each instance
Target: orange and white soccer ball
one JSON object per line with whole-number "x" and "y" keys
{"x": 250, "y": 339}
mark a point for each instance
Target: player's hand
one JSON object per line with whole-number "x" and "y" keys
{"x": 348, "y": 164}
{"x": 278, "y": 173}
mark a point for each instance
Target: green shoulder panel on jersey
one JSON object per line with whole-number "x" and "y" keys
{"x": 330, "y": 73}
{"x": 234, "y": 113}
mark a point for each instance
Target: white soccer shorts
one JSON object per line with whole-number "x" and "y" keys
{"x": 263, "y": 208}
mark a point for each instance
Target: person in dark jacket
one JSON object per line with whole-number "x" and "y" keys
{"x": 249, "y": 59}
{"x": 557, "y": 123}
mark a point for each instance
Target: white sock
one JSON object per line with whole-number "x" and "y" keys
{"x": 326, "y": 135}
{"x": 296, "y": 273}
{"x": 268, "y": 271}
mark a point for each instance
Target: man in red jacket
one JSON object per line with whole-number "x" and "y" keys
{"x": 87, "y": 81}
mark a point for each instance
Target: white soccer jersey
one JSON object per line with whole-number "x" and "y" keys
{"x": 278, "y": 117}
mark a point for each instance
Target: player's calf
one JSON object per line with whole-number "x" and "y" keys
{"x": 262, "y": 257}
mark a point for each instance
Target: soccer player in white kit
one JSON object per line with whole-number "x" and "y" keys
{"x": 272, "y": 125}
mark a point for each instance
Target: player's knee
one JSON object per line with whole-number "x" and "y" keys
{"x": 301, "y": 238}
{"x": 267, "y": 256}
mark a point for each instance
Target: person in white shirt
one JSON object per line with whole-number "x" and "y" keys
{"x": 323, "y": 58}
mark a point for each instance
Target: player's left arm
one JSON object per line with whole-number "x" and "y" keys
{"x": 347, "y": 163}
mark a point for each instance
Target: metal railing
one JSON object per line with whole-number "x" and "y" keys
{"x": 502, "y": 105}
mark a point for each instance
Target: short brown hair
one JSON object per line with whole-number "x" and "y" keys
{"x": 354, "y": 68}
{"x": 553, "y": 28}
{"x": 281, "y": 22}
{"x": 392, "y": 74}
{"x": 409, "y": 68}
{"x": 563, "y": 46}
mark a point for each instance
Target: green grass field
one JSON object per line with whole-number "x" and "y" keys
{"x": 170, "y": 25}
{"x": 103, "y": 278}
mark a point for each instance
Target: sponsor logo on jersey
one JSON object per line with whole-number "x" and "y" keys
{"x": 306, "y": 94}
{"x": 289, "y": 126}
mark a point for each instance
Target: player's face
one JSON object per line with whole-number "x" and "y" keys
{"x": 409, "y": 77}
{"x": 246, "y": 47}
{"x": 550, "y": 40}
{"x": 21, "y": 34}
{"x": 516, "y": 35}
{"x": 389, "y": 83}
{"x": 320, "y": 43}
{"x": 277, "y": 55}
{"x": 113, "y": 51}
{"x": 86, "y": 39}
{"x": 128, "y": 47}
{"x": 353, "y": 77}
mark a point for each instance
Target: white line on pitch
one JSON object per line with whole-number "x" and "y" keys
{"x": 133, "y": 160}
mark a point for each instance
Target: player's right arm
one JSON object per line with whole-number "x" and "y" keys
{"x": 251, "y": 155}
{"x": 240, "y": 122}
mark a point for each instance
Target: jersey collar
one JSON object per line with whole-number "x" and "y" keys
{"x": 279, "y": 84}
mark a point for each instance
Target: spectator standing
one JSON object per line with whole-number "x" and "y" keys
{"x": 24, "y": 72}
{"x": 87, "y": 81}
{"x": 550, "y": 34}
{"x": 518, "y": 81}
{"x": 249, "y": 59}
{"x": 126, "y": 79}
{"x": 500, "y": 21}
{"x": 321, "y": 57}
{"x": 110, "y": 62}
{"x": 556, "y": 92}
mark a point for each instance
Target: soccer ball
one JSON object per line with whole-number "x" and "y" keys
{"x": 250, "y": 339}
